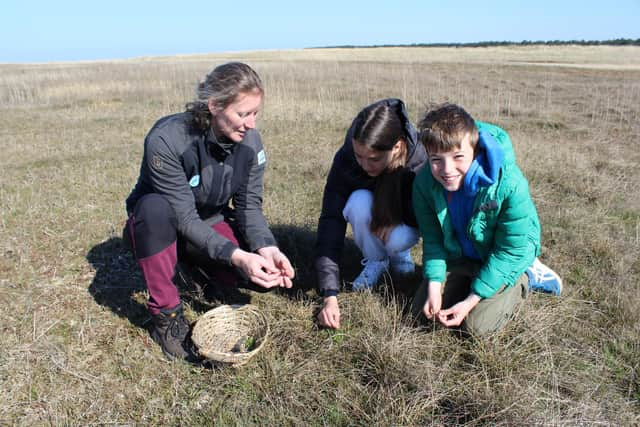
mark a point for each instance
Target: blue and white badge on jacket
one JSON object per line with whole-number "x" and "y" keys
{"x": 261, "y": 157}
{"x": 194, "y": 181}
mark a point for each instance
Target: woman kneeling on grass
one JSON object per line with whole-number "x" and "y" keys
{"x": 369, "y": 186}
{"x": 480, "y": 228}
{"x": 194, "y": 163}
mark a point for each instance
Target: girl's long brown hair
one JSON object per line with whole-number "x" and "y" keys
{"x": 379, "y": 127}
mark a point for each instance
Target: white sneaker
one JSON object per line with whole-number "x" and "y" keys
{"x": 543, "y": 279}
{"x": 370, "y": 274}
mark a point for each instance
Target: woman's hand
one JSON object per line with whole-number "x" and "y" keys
{"x": 455, "y": 315}
{"x": 434, "y": 300}
{"x": 329, "y": 316}
{"x": 258, "y": 269}
{"x": 280, "y": 263}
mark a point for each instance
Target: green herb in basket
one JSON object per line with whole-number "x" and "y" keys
{"x": 250, "y": 343}
{"x": 244, "y": 345}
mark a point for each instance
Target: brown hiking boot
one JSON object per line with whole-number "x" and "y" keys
{"x": 171, "y": 330}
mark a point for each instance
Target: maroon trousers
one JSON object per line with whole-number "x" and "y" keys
{"x": 152, "y": 232}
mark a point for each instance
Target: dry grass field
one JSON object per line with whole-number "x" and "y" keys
{"x": 75, "y": 349}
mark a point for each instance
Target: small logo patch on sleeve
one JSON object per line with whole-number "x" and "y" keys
{"x": 262, "y": 157}
{"x": 156, "y": 162}
{"x": 194, "y": 181}
{"x": 488, "y": 206}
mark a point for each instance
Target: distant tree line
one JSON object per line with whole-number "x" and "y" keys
{"x": 614, "y": 42}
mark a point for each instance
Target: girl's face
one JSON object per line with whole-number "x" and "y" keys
{"x": 239, "y": 116}
{"x": 372, "y": 161}
{"x": 449, "y": 168}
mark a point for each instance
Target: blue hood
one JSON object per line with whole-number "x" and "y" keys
{"x": 485, "y": 168}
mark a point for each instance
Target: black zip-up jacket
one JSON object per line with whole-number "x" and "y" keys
{"x": 199, "y": 175}
{"x": 344, "y": 178}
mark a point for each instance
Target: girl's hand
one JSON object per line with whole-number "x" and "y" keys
{"x": 329, "y": 316}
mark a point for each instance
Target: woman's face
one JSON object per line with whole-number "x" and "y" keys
{"x": 239, "y": 116}
{"x": 372, "y": 161}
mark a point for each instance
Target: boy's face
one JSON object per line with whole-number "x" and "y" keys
{"x": 449, "y": 168}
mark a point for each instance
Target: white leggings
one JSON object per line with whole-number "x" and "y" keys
{"x": 357, "y": 212}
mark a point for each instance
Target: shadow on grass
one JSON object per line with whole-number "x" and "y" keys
{"x": 298, "y": 244}
{"x": 119, "y": 285}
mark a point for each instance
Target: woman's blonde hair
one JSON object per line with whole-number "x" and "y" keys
{"x": 222, "y": 86}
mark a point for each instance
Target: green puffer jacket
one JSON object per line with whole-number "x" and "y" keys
{"x": 504, "y": 227}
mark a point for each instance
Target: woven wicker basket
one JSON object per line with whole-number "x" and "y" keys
{"x": 230, "y": 334}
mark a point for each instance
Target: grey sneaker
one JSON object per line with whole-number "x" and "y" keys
{"x": 171, "y": 330}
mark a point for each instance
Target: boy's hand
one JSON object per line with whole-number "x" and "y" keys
{"x": 329, "y": 316}
{"x": 434, "y": 300}
{"x": 455, "y": 315}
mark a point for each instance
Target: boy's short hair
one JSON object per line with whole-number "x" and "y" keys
{"x": 444, "y": 126}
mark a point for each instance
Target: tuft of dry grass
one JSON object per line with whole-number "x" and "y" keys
{"x": 75, "y": 346}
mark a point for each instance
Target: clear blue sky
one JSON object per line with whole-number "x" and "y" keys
{"x": 68, "y": 30}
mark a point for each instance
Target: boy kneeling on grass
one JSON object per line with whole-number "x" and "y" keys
{"x": 480, "y": 228}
